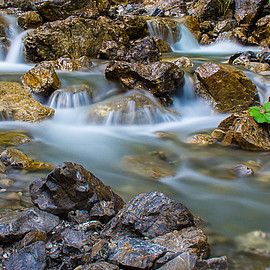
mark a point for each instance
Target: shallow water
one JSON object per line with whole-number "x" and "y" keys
{"x": 204, "y": 183}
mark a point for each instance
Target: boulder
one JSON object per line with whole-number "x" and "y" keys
{"x": 247, "y": 11}
{"x": 163, "y": 46}
{"x": 261, "y": 31}
{"x": 23, "y": 5}
{"x": 73, "y": 37}
{"x": 160, "y": 78}
{"x": 29, "y": 20}
{"x": 111, "y": 50}
{"x": 41, "y": 80}
{"x": 14, "y": 224}
{"x": 192, "y": 24}
{"x": 17, "y": 159}
{"x": 225, "y": 87}
{"x": 64, "y": 63}
{"x": 242, "y": 130}
{"x": 149, "y": 215}
{"x": 70, "y": 186}
{"x": 18, "y": 104}
{"x": 31, "y": 257}
{"x": 134, "y": 107}
{"x": 238, "y": 35}
{"x": 183, "y": 62}
{"x": 143, "y": 51}
{"x": 225, "y": 26}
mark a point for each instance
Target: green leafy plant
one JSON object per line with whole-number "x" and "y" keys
{"x": 261, "y": 114}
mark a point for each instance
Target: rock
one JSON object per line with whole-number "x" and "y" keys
{"x": 149, "y": 215}
{"x": 41, "y": 80}
{"x": 247, "y": 11}
{"x": 19, "y": 105}
{"x": 144, "y": 51}
{"x": 100, "y": 251}
{"x": 14, "y": 224}
{"x": 201, "y": 139}
{"x": 17, "y": 159}
{"x": 241, "y": 170}
{"x": 220, "y": 263}
{"x": 226, "y": 88}
{"x": 204, "y": 9}
{"x": 66, "y": 64}
{"x": 188, "y": 240}
{"x": 73, "y": 37}
{"x": 238, "y": 35}
{"x": 225, "y": 26}
{"x": 30, "y": 20}
{"x": 134, "y": 107}
{"x": 242, "y": 130}
{"x": 3, "y": 169}
{"x": 183, "y": 62}
{"x": 264, "y": 56}
{"x": 68, "y": 187}
{"x": 192, "y": 24}
{"x": 98, "y": 266}
{"x": 261, "y": 31}
{"x": 23, "y": 5}
{"x": 103, "y": 211}
{"x": 255, "y": 243}
{"x": 13, "y": 139}
{"x": 52, "y": 10}
{"x": 154, "y": 165}
{"x": 78, "y": 216}
{"x": 135, "y": 253}
{"x": 32, "y": 257}
{"x": 32, "y": 237}
{"x": 111, "y": 50}
{"x": 163, "y": 46}
{"x": 160, "y": 78}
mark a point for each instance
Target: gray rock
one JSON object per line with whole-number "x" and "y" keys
{"x": 220, "y": 263}
{"x": 102, "y": 211}
{"x": 15, "y": 224}
{"x": 149, "y": 215}
{"x": 70, "y": 186}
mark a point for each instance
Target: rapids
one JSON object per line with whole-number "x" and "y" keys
{"x": 231, "y": 206}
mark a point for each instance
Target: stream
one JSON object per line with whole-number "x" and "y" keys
{"x": 231, "y": 206}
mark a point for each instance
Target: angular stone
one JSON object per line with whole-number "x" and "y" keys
{"x": 149, "y": 215}
{"x": 103, "y": 211}
{"x": 220, "y": 263}
{"x": 14, "y": 224}
{"x": 111, "y": 50}
{"x": 19, "y": 105}
{"x": 262, "y": 31}
{"x": 226, "y": 88}
{"x": 189, "y": 240}
{"x": 160, "y": 78}
{"x": 135, "y": 253}
{"x": 100, "y": 251}
{"x": 32, "y": 237}
{"x": 31, "y": 257}
{"x": 74, "y": 239}
{"x": 183, "y": 62}
{"x": 66, "y": 64}
{"x": 29, "y": 20}
{"x": 68, "y": 187}
{"x": 98, "y": 266}
{"x": 41, "y": 80}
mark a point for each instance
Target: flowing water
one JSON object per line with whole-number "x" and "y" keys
{"x": 203, "y": 181}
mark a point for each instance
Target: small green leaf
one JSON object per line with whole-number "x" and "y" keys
{"x": 267, "y": 116}
{"x": 266, "y": 106}
{"x": 254, "y": 111}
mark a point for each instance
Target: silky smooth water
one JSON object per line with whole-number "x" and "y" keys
{"x": 231, "y": 206}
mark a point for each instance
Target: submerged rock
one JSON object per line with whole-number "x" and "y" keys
{"x": 160, "y": 78}
{"x": 17, "y": 159}
{"x": 14, "y": 224}
{"x": 68, "y": 187}
{"x": 132, "y": 108}
{"x": 13, "y": 139}
{"x": 41, "y": 80}
{"x": 19, "y": 105}
{"x": 149, "y": 215}
{"x": 225, "y": 87}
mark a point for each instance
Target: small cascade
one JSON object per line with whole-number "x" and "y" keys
{"x": 69, "y": 98}
{"x": 135, "y": 107}
{"x": 165, "y": 29}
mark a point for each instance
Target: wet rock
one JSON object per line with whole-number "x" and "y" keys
{"x": 68, "y": 187}
{"x": 30, "y": 20}
{"x": 14, "y": 224}
{"x": 98, "y": 266}
{"x": 246, "y": 11}
{"x": 111, "y": 50}
{"x": 17, "y": 159}
{"x": 264, "y": 56}
{"x": 201, "y": 139}
{"x": 162, "y": 45}
{"x": 241, "y": 170}
{"x": 19, "y": 104}
{"x": 192, "y": 24}
{"x": 242, "y": 130}
{"x": 256, "y": 243}
{"x": 262, "y": 31}
{"x": 184, "y": 261}
{"x": 41, "y": 80}
{"x": 23, "y": 5}
{"x": 149, "y": 215}
{"x": 154, "y": 165}
{"x": 225, "y": 26}
{"x": 160, "y": 78}
{"x": 143, "y": 51}
{"x": 13, "y": 139}
{"x": 132, "y": 108}
{"x": 73, "y": 37}
{"x": 204, "y": 9}
{"x": 135, "y": 253}
{"x": 32, "y": 237}
{"x": 220, "y": 263}
{"x": 226, "y": 88}
{"x": 31, "y": 257}
{"x": 183, "y": 62}
{"x": 3, "y": 169}
{"x": 66, "y": 64}
{"x": 238, "y": 35}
